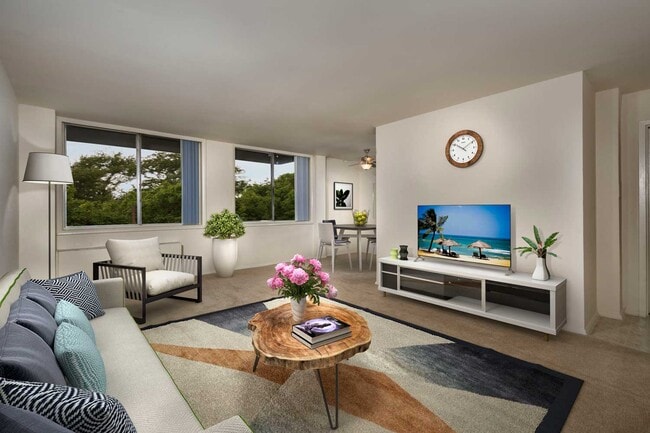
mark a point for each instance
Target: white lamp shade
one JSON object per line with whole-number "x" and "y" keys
{"x": 47, "y": 167}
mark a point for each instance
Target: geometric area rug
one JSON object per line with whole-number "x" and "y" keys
{"x": 411, "y": 379}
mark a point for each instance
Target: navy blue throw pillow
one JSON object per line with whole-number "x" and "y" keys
{"x": 15, "y": 420}
{"x": 25, "y": 356}
{"x": 32, "y": 316}
{"x": 40, "y": 295}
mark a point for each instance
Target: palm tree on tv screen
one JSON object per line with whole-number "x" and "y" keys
{"x": 432, "y": 224}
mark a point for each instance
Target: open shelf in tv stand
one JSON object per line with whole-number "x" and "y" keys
{"x": 502, "y": 295}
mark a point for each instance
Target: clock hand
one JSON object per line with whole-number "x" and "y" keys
{"x": 458, "y": 145}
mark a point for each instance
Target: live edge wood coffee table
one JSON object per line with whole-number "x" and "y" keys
{"x": 273, "y": 343}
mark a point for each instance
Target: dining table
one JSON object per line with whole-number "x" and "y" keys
{"x": 343, "y": 228}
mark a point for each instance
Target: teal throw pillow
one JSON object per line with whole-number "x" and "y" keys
{"x": 79, "y": 358}
{"x": 69, "y": 313}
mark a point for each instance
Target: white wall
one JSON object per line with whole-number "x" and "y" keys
{"x": 363, "y": 193}
{"x": 608, "y": 253}
{"x": 37, "y": 134}
{"x": 635, "y": 108}
{"x": 589, "y": 203}
{"x": 363, "y": 189}
{"x": 8, "y": 175}
{"x": 533, "y": 160}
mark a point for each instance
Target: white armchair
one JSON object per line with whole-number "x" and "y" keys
{"x": 148, "y": 274}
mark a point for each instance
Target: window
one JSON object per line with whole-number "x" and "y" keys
{"x": 128, "y": 178}
{"x": 271, "y": 186}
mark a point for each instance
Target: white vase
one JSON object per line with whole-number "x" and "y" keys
{"x": 224, "y": 256}
{"x": 298, "y": 309}
{"x": 541, "y": 271}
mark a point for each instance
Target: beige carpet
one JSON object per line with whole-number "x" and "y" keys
{"x": 409, "y": 380}
{"x": 614, "y": 398}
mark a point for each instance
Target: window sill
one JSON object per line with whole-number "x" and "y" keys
{"x": 276, "y": 223}
{"x": 72, "y": 231}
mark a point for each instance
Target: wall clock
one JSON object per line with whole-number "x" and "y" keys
{"x": 464, "y": 148}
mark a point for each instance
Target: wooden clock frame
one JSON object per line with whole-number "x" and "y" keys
{"x": 479, "y": 152}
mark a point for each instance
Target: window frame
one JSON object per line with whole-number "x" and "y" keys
{"x": 61, "y": 193}
{"x": 257, "y": 223}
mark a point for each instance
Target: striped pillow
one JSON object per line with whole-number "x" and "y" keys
{"x": 77, "y": 289}
{"x": 76, "y": 409}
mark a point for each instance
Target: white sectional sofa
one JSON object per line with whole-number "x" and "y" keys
{"x": 135, "y": 375}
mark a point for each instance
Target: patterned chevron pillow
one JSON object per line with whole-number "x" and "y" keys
{"x": 77, "y": 289}
{"x": 75, "y": 409}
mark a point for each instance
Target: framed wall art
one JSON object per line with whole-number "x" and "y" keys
{"x": 342, "y": 196}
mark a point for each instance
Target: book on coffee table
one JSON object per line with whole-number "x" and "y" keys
{"x": 322, "y": 342}
{"x": 321, "y": 329}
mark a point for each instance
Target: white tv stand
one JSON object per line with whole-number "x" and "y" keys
{"x": 513, "y": 298}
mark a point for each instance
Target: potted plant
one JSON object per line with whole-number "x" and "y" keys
{"x": 224, "y": 228}
{"x": 539, "y": 247}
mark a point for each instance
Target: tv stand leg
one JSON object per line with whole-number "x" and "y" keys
{"x": 546, "y": 337}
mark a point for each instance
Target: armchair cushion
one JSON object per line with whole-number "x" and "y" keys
{"x": 163, "y": 281}
{"x": 143, "y": 253}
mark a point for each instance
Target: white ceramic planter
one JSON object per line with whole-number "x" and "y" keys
{"x": 541, "y": 271}
{"x": 298, "y": 309}
{"x": 224, "y": 256}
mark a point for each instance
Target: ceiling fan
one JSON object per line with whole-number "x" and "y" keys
{"x": 367, "y": 162}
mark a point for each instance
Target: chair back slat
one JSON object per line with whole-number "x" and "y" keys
{"x": 180, "y": 263}
{"x": 132, "y": 284}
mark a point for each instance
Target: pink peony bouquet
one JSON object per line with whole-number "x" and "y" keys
{"x": 301, "y": 278}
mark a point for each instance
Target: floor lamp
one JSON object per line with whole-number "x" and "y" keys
{"x": 49, "y": 168}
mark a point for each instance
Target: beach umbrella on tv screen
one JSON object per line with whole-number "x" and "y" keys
{"x": 480, "y": 245}
{"x": 450, "y": 243}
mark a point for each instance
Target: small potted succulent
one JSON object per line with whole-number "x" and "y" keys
{"x": 539, "y": 247}
{"x": 224, "y": 228}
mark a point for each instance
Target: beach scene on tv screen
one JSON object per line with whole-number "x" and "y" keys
{"x": 471, "y": 233}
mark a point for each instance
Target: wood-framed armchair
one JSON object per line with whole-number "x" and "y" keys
{"x": 148, "y": 274}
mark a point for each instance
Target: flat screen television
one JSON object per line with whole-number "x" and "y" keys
{"x": 471, "y": 233}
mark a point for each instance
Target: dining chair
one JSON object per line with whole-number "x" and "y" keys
{"x": 337, "y": 236}
{"x": 326, "y": 236}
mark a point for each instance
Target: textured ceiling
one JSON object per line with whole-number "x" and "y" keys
{"x": 301, "y": 75}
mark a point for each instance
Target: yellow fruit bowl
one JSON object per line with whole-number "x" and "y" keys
{"x": 360, "y": 217}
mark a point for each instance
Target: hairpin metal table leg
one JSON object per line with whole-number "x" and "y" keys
{"x": 257, "y": 359}
{"x": 334, "y": 425}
